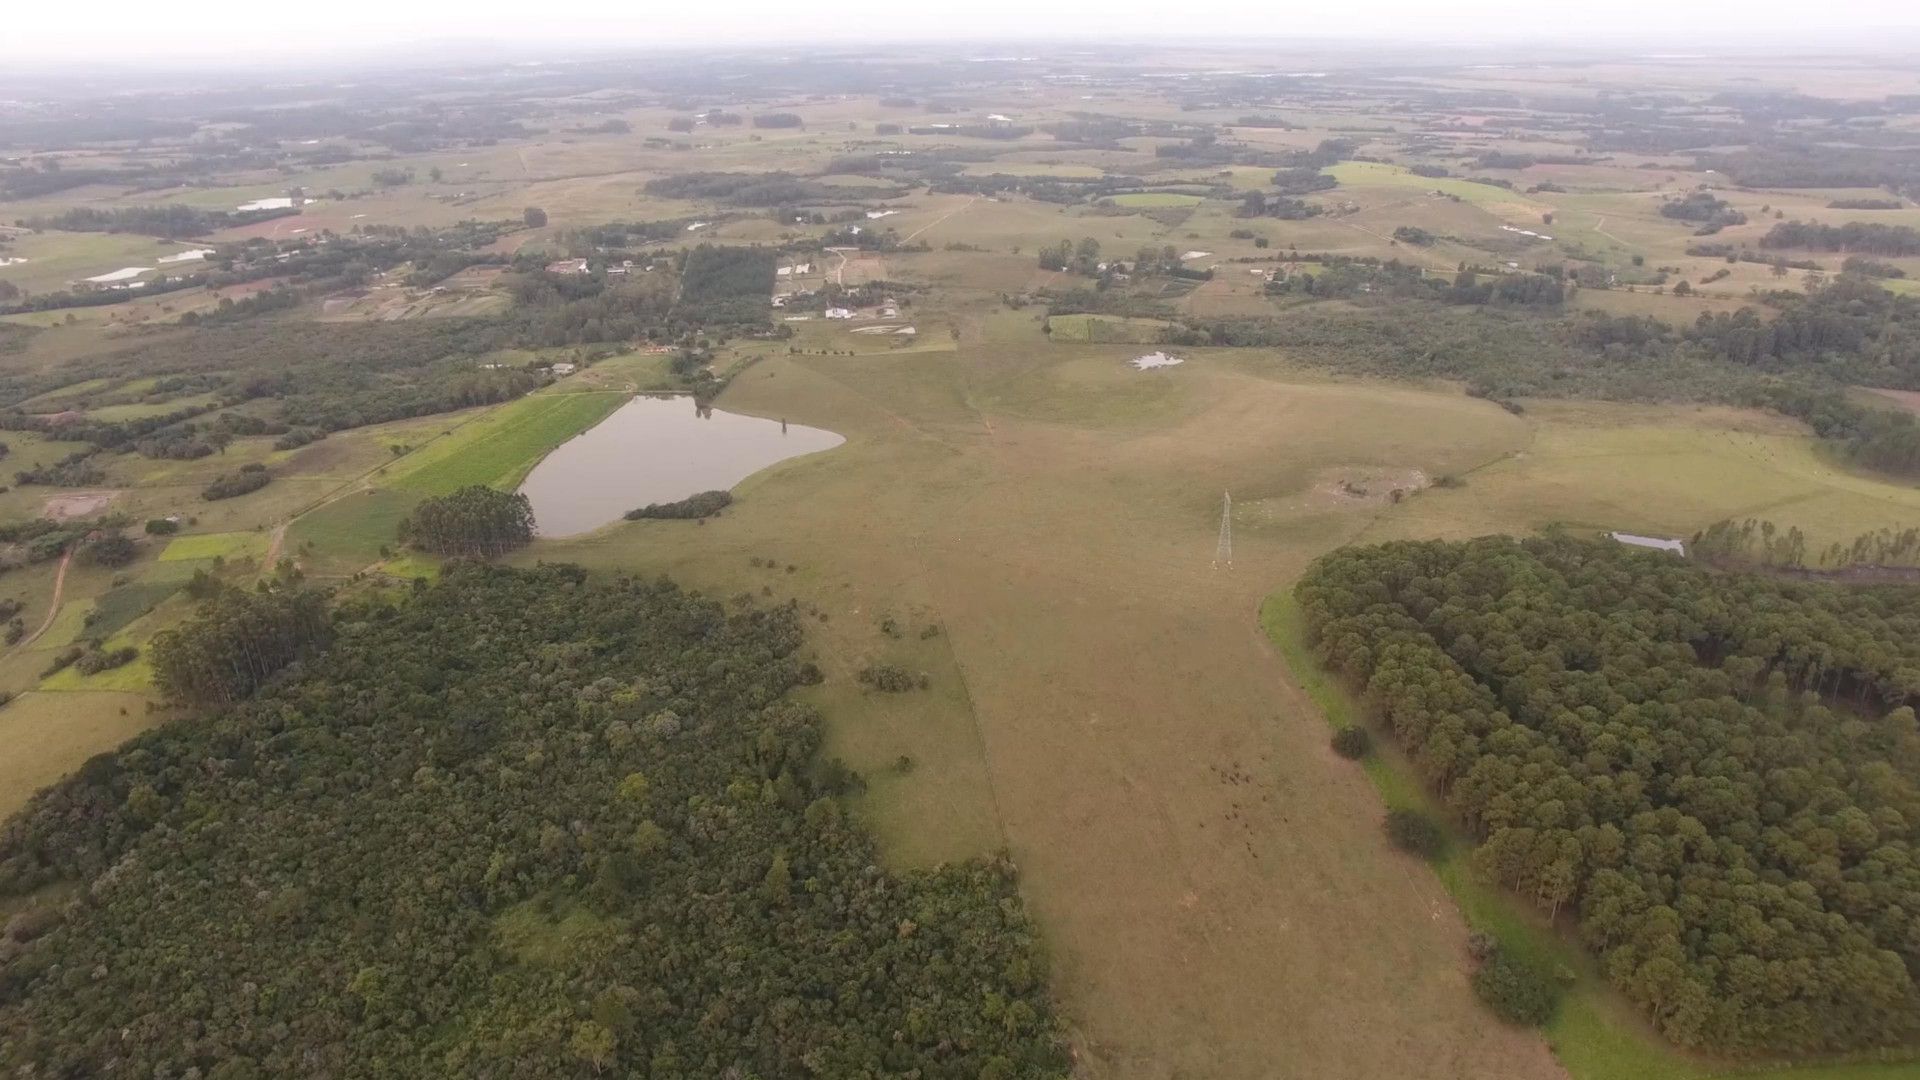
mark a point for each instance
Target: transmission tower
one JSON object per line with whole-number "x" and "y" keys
{"x": 1223, "y": 555}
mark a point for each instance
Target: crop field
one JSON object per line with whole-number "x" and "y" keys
{"x": 499, "y": 447}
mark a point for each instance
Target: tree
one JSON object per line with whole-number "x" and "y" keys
{"x": 534, "y": 217}
{"x": 778, "y": 882}
{"x": 592, "y": 1043}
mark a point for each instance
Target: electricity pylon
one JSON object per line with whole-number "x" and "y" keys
{"x": 1223, "y": 555}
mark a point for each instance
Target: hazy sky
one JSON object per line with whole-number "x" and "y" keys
{"x": 45, "y": 30}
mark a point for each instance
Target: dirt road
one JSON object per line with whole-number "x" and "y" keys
{"x": 53, "y": 609}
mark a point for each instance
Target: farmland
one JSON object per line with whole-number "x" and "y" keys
{"x": 1401, "y": 313}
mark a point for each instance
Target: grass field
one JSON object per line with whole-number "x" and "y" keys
{"x": 230, "y": 545}
{"x": 1150, "y": 200}
{"x": 1053, "y": 512}
{"x": 1104, "y": 329}
{"x": 1370, "y": 174}
{"x": 1104, "y": 702}
{"x": 47, "y": 735}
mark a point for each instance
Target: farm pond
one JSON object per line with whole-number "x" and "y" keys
{"x": 656, "y": 450}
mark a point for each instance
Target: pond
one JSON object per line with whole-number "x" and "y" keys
{"x": 656, "y": 450}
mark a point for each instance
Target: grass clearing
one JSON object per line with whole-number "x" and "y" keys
{"x": 1373, "y": 174}
{"x": 49, "y": 735}
{"x": 227, "y": 545}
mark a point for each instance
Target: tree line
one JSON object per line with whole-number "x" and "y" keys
{"x": 1868, "y": 237}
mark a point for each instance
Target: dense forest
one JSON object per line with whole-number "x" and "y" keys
{"x": 236, "y": 640}
{"x": 1716, "y": 773}
{"x": 516, "y": 825}
{"x": 475, "y": 521}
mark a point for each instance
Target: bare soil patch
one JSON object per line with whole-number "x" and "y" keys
{"x": 1906, "y": 399}
{"x": 1356, "y": 486}
{"x": 78, "y": 504}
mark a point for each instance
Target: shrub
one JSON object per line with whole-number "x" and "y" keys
{"x": 1516, "y": 991}
{"x": 106, "y": 659}
{"x": 162, "y": 527}
{"x": 249, "y": 478}
{"x": 110, "y": 550}
{"x": 61, "y": 659}
{"x": 1413, "y": 831}
{"x": 1352, "y": 743}
{"x": 889, "y": 679}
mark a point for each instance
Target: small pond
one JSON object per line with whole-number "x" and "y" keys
{"x": 656, "y": 450}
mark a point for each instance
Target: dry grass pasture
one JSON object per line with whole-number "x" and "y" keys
{"x": 1104, "y": 703}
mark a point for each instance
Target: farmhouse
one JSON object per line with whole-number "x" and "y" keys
{"x": 563, "y": 368}
{"x": 839, "y": 313}
{"x": 567, "y": 266}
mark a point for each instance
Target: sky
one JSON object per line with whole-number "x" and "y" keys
{"x": 87, "y": 32}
